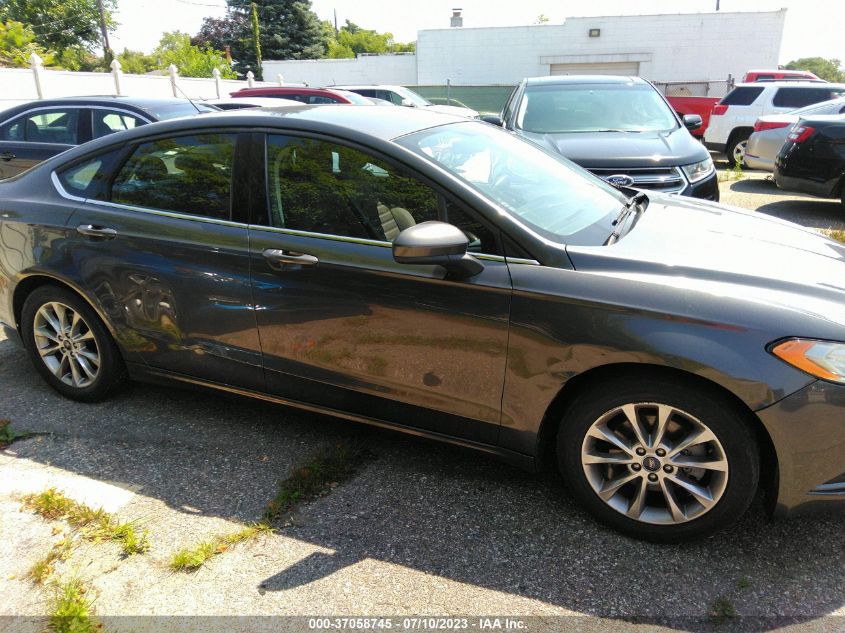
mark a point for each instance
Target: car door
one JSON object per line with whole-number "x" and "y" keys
{"x": 37, "y": 135}
{"x": 160, "y": 247}
{"x": 343, "y": 325}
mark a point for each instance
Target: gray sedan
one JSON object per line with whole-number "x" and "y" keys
{"x": 444, "y": 278}
{"x": 770, "y": 132}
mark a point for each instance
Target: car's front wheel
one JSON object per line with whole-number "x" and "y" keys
{"x": 69, "y": 345}
{"x": 659, "y": 461}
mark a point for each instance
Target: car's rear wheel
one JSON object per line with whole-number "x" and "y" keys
{"x": 69, "y": 345}
{"x": 659, "y": 461}
{"x": 736, "y": 149}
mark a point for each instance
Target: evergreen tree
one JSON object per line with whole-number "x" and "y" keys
{"x": 289, "y": 29}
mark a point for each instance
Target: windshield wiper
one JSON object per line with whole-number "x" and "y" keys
{"x": 637, "y": 203}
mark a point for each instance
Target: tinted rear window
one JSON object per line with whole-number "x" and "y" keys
{"x": 745, "y": 95}
{"x": 799, "y": 97}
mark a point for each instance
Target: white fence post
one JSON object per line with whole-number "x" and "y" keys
{"x": 35, "y": 64}
{"x": 250, "y": 79}
{"x": 116, "y": 72}
{"x": 173, "y": 74}
{"x": 217, "y": 84}
{"x": 280, "y": 79}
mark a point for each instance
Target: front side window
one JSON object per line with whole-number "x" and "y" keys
{"x": 331, "y": 189}
{"x": 52, "y": 126}
{"x": 186, "y": 174}
{"x": 552, "y": 195}
{"x": 105, "y": 122}
{"x": 550, "y": 109}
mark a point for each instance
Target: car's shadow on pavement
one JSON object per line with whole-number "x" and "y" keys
{"x": 435, "y": 509}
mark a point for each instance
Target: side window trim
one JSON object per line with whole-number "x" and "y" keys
{"x": 263, "y": 211}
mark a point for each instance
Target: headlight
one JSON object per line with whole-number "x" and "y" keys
{"x": 822, "y": 359}
{"x": 699, "y": 171}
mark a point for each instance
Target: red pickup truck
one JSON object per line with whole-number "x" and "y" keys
{"x": 701, "y": 106}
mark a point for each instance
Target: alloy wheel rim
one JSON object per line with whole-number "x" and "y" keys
{"x": 654, "y": 463}
{"x": 66, "y": 344}
{"x": 739, "y": 151}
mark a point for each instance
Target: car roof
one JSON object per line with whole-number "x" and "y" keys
{"x": 790, "y": 84}
{"x": 583, "y": 79}
{"x": 367, "y": 86}
{"x": 351, "y": 122}
{"x": 140, "y": 102}
{"x": 258, "y": 90}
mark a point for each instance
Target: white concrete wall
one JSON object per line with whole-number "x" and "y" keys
{"x": 369, "y": 69}
{"x": 667, "y": 47}
{"x": 17, "y": 85}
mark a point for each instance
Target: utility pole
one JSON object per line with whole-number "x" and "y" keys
{"x": 255, "y": 40}
{"x": 108, "y": 55}
{"x": 335, "y": 23}
{"x": 717, "y": 5}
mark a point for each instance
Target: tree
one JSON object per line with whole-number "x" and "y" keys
{"x": 829, "y": 69}
{"x": 17, "y": 44}
{"x": 352, "y": 40}
{"x": 136, "y": 62}
{"x": 191, "y": 61}
{"x": 59, "y": 25}
{"x": 289, "y": 29}
{"x": 218, "y": 33}
{"x": 542, "y": 19}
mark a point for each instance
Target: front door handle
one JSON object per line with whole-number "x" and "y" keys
{"x": 278, "y": 256}
{"x": 7, "y": 156}
{"x": 89, "y": 230}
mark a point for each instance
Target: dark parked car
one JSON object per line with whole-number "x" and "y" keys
{"x": 619, "y": 128}
{"x": 442, "y": 277}
{"x": 35, "y": 131}
{"x": 812, "y": 159}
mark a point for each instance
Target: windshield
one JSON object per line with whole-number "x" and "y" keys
{"x": 550, "y": 194}
{"x": 176, "y": 110}
{"x": 354, "y": 97}
{"x": 411, "y": 96}
{"x": 551, "y": 109}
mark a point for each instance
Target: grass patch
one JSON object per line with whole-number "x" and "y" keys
{"x": 9, "y": 435}
{"x": 95, "y": 525}
{"x": 314, "y": 479}
{"x": 838, "y": 235}
{"x": 191, "y": 559}
{"x": 744, "y": 582}
{"x": 70, "y": 609}
{"x": 41, "y": 571}
{"x": 723, "y": 610}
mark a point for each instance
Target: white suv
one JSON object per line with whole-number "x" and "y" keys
{"x": 732, "y": 119}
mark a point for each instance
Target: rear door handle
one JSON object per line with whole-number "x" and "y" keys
{"x": 89, "y": 230}
{"x": 7, "y": 156}
{"x": 278, "y": 256}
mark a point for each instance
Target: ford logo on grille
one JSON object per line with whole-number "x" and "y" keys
{"x": 620, "y": 180}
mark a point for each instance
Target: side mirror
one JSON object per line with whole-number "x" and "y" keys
{"x": 436, "y": 244}
{"x": 407, "y": 103}
{"x": 493, "y": 119}
{"x": 692, "y": 121}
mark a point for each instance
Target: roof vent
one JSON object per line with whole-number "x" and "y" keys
{"x": 457, "y": 20}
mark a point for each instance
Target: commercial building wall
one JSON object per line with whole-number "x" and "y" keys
{"x": 669, "y": 47}
{"x": 665, "y": 47}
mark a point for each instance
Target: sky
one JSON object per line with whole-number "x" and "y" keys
{"x": 813, "y": 27}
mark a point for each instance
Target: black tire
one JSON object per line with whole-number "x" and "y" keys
{"x": 111, "y": 371}
{"x": 739, "y": 137}
{"x": 723, "y": 418}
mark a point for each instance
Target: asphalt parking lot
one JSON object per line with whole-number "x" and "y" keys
{"x": 418, "y": 528}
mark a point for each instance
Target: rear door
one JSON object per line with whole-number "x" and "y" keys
{"x": 160, "y": 247}
{"x": 37, "y": 135}
{"x": 345, "y": 326}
